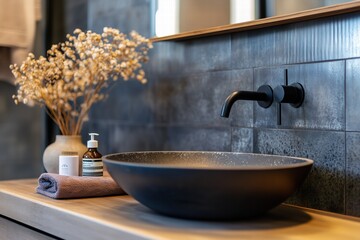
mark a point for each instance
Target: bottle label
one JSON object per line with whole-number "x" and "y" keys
{"x": 92, "y": 167}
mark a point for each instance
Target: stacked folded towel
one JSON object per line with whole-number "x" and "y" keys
{"x": 60, "y": 187}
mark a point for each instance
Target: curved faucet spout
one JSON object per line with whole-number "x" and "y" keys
{"x": 264, "y": 97}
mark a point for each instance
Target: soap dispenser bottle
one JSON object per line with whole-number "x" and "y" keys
{"x": 92, "y": 165}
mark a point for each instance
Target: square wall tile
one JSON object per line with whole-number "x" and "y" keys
{"x": 352, "y": 193}
{"x": 127, "y": 101}
{"x": 198, "y": 139}
{"x": 253, "y": 48}
{"x": 242, "y": 140}
{"x": 136, "y": 138}
{"x": 324, "y": 187}
{"x": 166, "y": 60}
{"x": 324, "y": 103}
{"x": 126, "y": 15}
{"x": 197, "y": 99}
{"x": 241, "y": 113}
{"x": 207, "y": 54}
{"x": 21, "y": 128}
{"x": 324, "y": 39}
{"x": 241, "y": 51}
{"x": 352, "y": 95}
{"x": 116, "y": 137}
{"x": 316, "y": 40}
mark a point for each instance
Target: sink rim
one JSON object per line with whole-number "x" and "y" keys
{"x": 304, "y": 161}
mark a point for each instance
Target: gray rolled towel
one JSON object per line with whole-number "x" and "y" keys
{"x": 60, "y": 187}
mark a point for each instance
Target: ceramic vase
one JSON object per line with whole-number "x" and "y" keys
{"x": 63, "y": 143}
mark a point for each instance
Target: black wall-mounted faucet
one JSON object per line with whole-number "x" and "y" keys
{"x": 264, "y": 97}
{"x": 293, "y": 94}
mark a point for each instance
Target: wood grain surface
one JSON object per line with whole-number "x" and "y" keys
{"x": 122, "y": 217}
{"x": 13, "y": 230}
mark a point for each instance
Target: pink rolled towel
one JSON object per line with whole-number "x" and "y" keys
{"x": 60, "y": 187}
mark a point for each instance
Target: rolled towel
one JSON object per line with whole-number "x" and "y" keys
{"x": 60, "y": 187}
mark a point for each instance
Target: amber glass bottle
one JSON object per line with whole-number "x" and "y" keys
{"x": 92, "y": 165}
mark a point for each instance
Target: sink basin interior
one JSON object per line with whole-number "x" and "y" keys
{"x": 207, "y": 160}
{"x": 208, "y": 185}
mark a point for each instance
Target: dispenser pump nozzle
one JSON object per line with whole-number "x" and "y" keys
{"x": 92, "y": 143}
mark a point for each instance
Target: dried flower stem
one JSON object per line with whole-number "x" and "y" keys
{"x": 70, "y": 80}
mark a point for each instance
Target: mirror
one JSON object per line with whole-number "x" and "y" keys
{"x": 178, "y": 16}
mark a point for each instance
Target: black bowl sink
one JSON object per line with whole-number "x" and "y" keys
{"x": 208, "y": 185}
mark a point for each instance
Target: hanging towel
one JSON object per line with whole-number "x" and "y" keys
{"x": 17, "y": 32}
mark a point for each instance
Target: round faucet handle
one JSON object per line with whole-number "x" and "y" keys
{"x": 267, "y": 98}
{"x": 293, "y": 94}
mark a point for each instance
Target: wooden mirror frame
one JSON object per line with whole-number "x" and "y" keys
{"x": 266, "y": 22}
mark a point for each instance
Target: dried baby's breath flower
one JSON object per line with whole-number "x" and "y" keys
{"x": 71, "y": 79}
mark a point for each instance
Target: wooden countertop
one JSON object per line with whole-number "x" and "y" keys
{"x": 122, "y": 217}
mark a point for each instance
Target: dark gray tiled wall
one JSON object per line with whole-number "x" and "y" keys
{"x": 309, "y": 41}
{"x": 125, "y": 15}
{"x": 326, "y": 148}
{"x": 212, "y": 54}
{"x": 352, "y": 190}
{"x": 352, "y": 95}
{"x": 178, "y": 101}
{"x": 242, "y": 140}
{"x": 20, "y": 144}
{"x": 189, "y": 80}
{"x": 324, "y": 103}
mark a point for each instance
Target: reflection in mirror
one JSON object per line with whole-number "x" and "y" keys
{"x": 177, "y": 16}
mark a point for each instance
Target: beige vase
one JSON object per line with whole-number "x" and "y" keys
{"x": 63, "y": 143}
